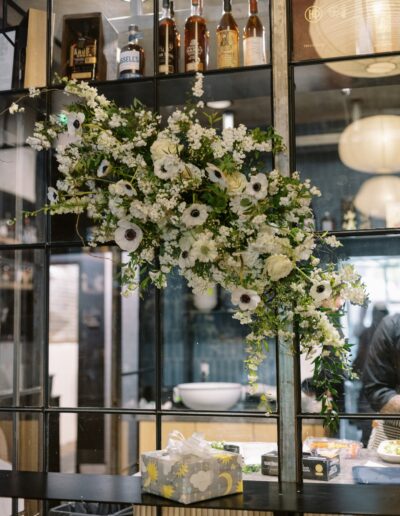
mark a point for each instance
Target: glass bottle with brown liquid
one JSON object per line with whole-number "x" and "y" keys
{"x": 227, "y": 39}
{"x": 83, "y": 56}
{"x": 196, "y": 40}
{"x": 168, "y": 41}
{"x": 254, "y": 38}
{"x": 132, "y": 61}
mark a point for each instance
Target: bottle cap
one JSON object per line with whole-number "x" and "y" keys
{"x": 227, "y": 6}
{"x": 165, "y": 4}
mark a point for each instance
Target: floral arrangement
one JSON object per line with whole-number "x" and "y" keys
{"x": 187, "y": 197}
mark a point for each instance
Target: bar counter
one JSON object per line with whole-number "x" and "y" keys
{"x": 261, "y": 493}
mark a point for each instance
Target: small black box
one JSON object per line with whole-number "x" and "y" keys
{"x": 314, "y": 467}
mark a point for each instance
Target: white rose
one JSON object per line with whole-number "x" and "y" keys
{"x": 164, "y": 147}
{"x": 236, "y": 182}
{"x": 278, "y": 266}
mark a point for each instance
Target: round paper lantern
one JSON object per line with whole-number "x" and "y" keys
{"x": 376, "y": 195}
{"x": 353, "y": 27}
{"x": 372, "y": 144}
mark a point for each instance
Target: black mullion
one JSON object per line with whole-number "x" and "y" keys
{"x": 49, "y": 64}
{"x": 5, "y": 14}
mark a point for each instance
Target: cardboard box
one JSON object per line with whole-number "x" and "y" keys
{"x": 107, "y": 42}
{"x": 190, "y": 478}
{"x": 314, "y": 467}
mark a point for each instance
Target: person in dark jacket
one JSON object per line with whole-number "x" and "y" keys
{"x": 381, "y": 377}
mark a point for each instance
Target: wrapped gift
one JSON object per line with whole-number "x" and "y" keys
{"x": 190, "y": 470}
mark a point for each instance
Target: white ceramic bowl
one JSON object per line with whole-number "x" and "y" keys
{"x": 383, "y": 453}
{"x": 209, "y": 395}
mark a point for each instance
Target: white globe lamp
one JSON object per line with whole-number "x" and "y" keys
{"x": 376, "y": 194}
{"x": 352, "y": 27}
{"x": 372, "y": 144}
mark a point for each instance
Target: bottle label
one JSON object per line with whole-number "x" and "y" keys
{"x": 130, "y": 61}
{"x": 227, "y": 49}
{"x": 253, "y": 51}
{"x": 194, "y": 52}
{"x": 82, "y": 56}
{"x": 166, "y": 56}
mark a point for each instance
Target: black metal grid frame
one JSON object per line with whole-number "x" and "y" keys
{"x": 48, "y": 245}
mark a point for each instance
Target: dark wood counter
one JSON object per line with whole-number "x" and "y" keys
{"x": 258, "y": 496}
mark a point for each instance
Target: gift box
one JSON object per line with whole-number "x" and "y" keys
{"x": 190, "y": 470}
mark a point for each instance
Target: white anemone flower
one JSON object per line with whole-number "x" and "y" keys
{"x": 204, "y": 250}
{"x": 168, "y": 167}
{"x": 216, "y": 175}
{"x": 246, "y": 299}
{"x": 185, "y": 259}
{"x": 74, "y": 123}
{"x": 195, "y": 215}
{"x": 52, "y": 195}
{"x": 104, "y": 168}
{"x": 258, "y": 186}
{"x": 123, "y": 187}
{"x": 320, "y": 291}
{"x": 128, "y": 235}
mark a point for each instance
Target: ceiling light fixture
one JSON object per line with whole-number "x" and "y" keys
{"x": 219, "y": 104}
{"x": 372, "y": 144}
{"x": 378, "y": 194}
{"x": 352, "y": 27}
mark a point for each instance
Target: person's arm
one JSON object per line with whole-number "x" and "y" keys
{"x": 380, "y": 376}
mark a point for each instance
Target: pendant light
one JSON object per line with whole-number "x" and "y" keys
{"x": 378, "y": 194}
{"x": 352, "y": 27}
{"x": 372, "y": 144}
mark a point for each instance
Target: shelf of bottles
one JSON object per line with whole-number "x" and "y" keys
{"x": 119, "y": 43}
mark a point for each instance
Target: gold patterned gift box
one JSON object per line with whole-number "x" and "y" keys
{"x": 189, "y": 477}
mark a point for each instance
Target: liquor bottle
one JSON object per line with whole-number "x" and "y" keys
{"x": 254, "y": 38}
{"x": 327, "y": 222}
{"x": 131, "y": 62}
{"x": 83, "y": 56}
{"x": 196, "y": 40}
{"x": 227, "y": 39}
{"x": 168, "y": 41}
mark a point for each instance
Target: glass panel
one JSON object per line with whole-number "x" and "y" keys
{"x": 80, "y": 27}
{"x": 63, "y": 507}
{"x": 29, "y": 439}
{"x": 347, "y": 460}
{"x": 30, "y": 20}
{"x": 97, "y": 443}
{"x": 251, "y": 437}
{"x": 347, "y": 145}
{"x": 22, "y": 507}
{"x": 204, "y": 353}
{"x": 22, "y": 172}
{"x": 373, "y": 355}
{"x": 23, "y": 431}
{"x": 244, "y": 98}
{"x": 106, "y": 339}
{"x": 21, "y": 327}
{"x": 70, "y": 227}
{"x": 6, "y": 440}
{"x": 330, "y": 28}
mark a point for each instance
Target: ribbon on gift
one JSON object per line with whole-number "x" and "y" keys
{"x": 196, "y": 445}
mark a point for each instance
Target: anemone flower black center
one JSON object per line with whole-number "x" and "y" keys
{"x": 245, "y": 298}
{"x": 195, "y": 213}
{"x": 130, "y": 234}
{"x": 320, "y": 289}
{"x": 76, "y": 124}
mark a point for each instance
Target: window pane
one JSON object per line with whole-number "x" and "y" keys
{"x": 108, "y": 32}
{"x": 204, "y": 353}
{"x": 330, "y": 28}
{"x": 21, "y": 327}
{"x": 97, "y": 443}
{"x": 106, "y": 339}
{"x": 347, "y": 144}
{"x": 251, "y": 437}
{"x": 29, "y": 439}
{"x": 22, "y": 172}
